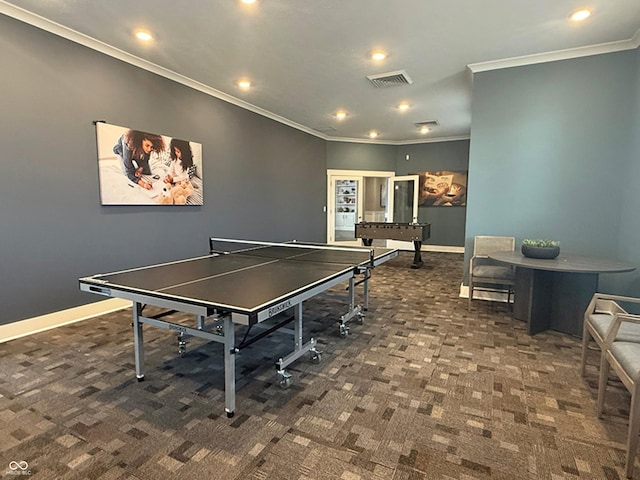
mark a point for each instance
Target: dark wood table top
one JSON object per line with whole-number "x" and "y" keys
{"x": 565, "y": 262}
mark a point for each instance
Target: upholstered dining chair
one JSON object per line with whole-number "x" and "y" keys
{"x": 624, "y": 357}
{"x": 486, "y": 274}
{"x": 598, "y": 318}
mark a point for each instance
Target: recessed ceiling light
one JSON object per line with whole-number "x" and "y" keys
{"x": 248, "y": 2}
{"x": 143, "y": 35}
{"x": 373, "y": 134}
{"x": 378, "y": 55}
{"x": 580, "y": 15}
{"x": 424, "y": 130}
{"x": 244, "y": 84}
{"x": 403, "y": 107}
{"x": 341, "y": 115}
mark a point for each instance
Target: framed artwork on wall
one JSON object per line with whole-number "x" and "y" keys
{"x": 443, "y": 189}
{"x": 142, "y": 168}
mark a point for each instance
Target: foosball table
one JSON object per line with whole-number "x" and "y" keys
{"x": 406, "y": 232}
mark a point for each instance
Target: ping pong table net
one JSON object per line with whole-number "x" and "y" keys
{"x": 292, "y": 251}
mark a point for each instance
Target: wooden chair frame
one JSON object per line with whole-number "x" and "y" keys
{"x": 601, "y": 303}
{"x": 631, "y": 382}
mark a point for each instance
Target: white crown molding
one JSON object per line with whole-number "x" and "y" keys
{"x": 556, "y": 55}
{"x": 434, "y": 140}
{"x": 635, "y": 40}
{"x": 397, "y": 142}
{"x": 89, "y": 42}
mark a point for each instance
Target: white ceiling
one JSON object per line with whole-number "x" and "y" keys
{"x": 309, "y": 58}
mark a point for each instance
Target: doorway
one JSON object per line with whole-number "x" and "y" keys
{"x": 354, "y": 196}
{"x": 370, "y": 196}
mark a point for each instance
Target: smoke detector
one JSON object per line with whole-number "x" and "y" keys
{"x": 390, "y": 79}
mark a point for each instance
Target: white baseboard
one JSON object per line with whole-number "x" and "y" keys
{"x": 483, "y": 295}
{"x": 424, "y": 248}
{"x": 29, "y": 326}
{"x": 441, "y": 249}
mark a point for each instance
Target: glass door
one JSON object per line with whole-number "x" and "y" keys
{"x": 403, "y": 199}
{"x": 403, "y": 205}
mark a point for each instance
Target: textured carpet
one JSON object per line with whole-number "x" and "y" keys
{"x": 423, "y": 389}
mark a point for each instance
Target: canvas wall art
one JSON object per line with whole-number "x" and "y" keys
{"x": 142, "y": 168}
{"x": 443, "y": 189}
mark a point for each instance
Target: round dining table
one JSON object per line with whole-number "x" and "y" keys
{"x": 552, "y": 294}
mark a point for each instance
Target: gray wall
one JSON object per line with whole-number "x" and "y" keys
{"x": 552, "y": 155}
{"x": 629, "y": 237}
{"x": 261, "y": 177}
{"x": 447, "y": 223}
{"x": 554, "y": 152}
{"x": 361, "y": 156}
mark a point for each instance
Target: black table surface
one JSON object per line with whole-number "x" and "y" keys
{"x": 239, "y": 282}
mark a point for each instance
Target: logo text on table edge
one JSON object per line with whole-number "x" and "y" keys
{"x": 279, "y": 308}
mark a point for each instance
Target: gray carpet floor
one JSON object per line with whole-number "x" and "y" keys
{"x": 423, "y": 389}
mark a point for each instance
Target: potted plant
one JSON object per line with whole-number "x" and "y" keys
{"x": 540, "y": 248}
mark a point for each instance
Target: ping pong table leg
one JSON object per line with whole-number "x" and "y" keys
{"x": 365, "y": 288}
{"x": 352, "y": 293}
{"x": 355, "y": 311}
{"x": 298, "y": 327}
{"x": 300, "y": 348}
{"x": 229, "y": 367}
{"x": 138, "y": 340}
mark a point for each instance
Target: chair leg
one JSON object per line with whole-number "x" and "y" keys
{"x": 470, "y": 294}
{"x": 602, "y": 383}
{"x": 585, "y": 346}
{"x": 634, "y": 429}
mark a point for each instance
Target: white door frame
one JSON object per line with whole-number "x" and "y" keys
{"x": 414, "y": 214}
{"x": 416, "y": 183}
{"x": 331, "y": 208}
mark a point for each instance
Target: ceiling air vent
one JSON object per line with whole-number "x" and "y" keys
{"x": 390, "y": 79}
{"x": 430, "y": 123}
{"x": 327, "y": 129}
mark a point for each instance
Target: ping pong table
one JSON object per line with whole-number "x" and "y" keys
{"x": 242, "y": 284}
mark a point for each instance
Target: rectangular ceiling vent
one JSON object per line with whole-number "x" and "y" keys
{"x": 430, "y": 123}
{"x": 327, "y": 129}
{"x": 390, "y": 79}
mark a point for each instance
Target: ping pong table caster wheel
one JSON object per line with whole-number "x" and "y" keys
{"x": 285, "y": 380}
{"x": 360, "y": 318}
{"x": 344, "y": 331}
{"x": 182, "y": 344}
{"x": 316, "y": 357}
